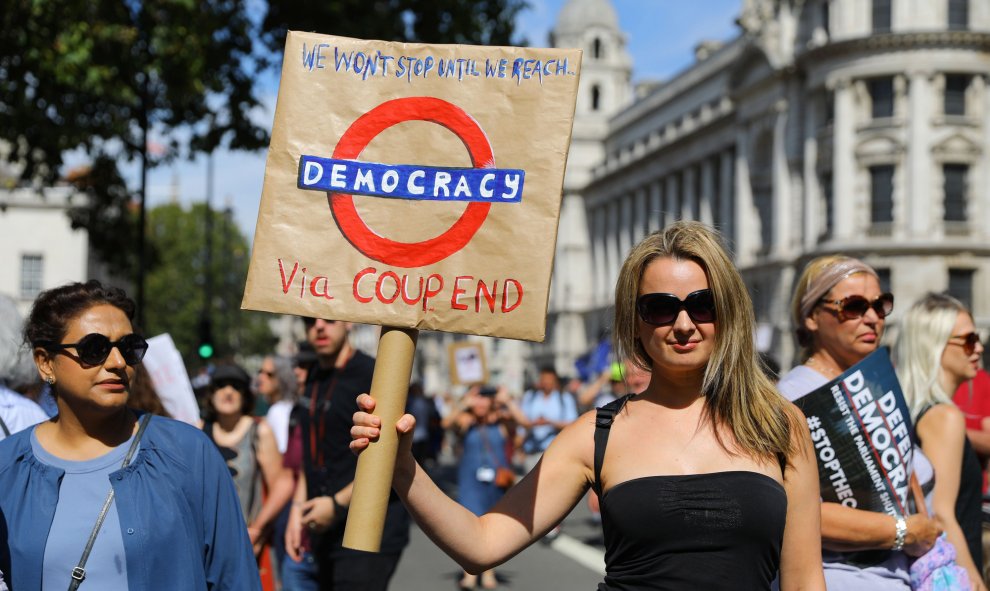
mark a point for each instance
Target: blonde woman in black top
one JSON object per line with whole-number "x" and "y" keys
{"x": 707, "y": 478}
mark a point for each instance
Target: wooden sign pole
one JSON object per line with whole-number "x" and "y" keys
{"x": 373, "y": 479}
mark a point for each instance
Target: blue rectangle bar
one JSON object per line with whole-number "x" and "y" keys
{"x": 408, "y": 181}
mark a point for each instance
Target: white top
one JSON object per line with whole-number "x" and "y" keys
{"x": 18, "y": 413}
{"x": 278, "y": 420}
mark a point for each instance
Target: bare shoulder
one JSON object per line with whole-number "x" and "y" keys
{"x": 264, "y": 429}
{"x": 578, "y": 439}
{"x": 942, "y": 419}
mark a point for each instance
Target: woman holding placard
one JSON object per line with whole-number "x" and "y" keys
{"x": 839, "y": 313}
{"x": 707, "y": 477}
{"x": 937, "y": 350}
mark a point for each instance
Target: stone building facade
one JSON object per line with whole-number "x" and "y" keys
{"x": 852, "y": 126}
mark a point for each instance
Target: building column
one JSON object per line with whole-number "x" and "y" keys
{"x": 727, "y": 193}
{"x": 672, "y": 210}
{"x": 690, "y": 193}
{"x": 813, "y": 224}
{"x": 656, "y": 205}
{"x": 781, "y": 183}
{"x": 612, "y": 237}
{"x": 745, "y": 217}
{"x": 627, "y": 220}
{"x": 980, "y": 190}
{"x": 847, "y": 224}
{"x": 918, "y": 214}
{"x": 599, "y": 255}
{"x": 707, "y": 194}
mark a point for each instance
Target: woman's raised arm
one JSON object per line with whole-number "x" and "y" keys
{"x": 526, "y": 512}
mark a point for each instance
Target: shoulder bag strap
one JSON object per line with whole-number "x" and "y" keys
{"x": 3, "y": 427}
{"x": 79, "y": 572}
{"x": 603, "y": 424}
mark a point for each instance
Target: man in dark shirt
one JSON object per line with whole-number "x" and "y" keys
{"x": 322, "y": 422}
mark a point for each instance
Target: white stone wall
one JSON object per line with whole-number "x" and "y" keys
{"x": 37, "y": 224}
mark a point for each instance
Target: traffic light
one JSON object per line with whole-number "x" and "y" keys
{"x": 206, "y": 348}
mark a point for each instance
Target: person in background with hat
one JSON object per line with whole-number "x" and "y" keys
{"x": 247, "y": 444}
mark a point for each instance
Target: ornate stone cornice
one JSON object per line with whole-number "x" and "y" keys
{"x": 912, "y": 40}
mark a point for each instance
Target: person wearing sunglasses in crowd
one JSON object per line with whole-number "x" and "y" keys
{"x": 937, "y": 350}
{"x": 707, "y": 477}
{"x": 100, "y": 496}
{"x": 838, "y": 312}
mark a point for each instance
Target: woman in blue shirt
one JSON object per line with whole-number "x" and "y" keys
{"x": 171, "y": 518}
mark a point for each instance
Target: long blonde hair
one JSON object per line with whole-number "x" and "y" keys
{"x": 737, "y": 392}
{"x": 924, "y": 334}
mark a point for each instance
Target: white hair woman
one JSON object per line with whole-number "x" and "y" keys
{"x": 277, "y": 383}
{"x": 937, "y": 350}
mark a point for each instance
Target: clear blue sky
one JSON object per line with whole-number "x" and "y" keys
{"x": 662, "y": 35}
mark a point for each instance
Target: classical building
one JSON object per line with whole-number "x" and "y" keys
{"x": 823, "y": 126}
{"x": 852, "y": 126}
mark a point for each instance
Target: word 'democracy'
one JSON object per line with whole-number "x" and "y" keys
{"x": 428, "y": 183}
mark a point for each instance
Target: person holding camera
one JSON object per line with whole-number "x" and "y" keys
{"x": 483, "y": 472}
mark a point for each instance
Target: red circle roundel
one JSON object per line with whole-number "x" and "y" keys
{"x": 360, "y": 134}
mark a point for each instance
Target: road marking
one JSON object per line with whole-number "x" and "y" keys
{"x": 585, "y": 555}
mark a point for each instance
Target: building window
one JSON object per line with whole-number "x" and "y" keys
{"x": 32, "y": 270}
{"x": 829, "y": 110}
{"x": 958, "y": 15}
{"x": 882, "y": 97}
{"x": 596, "y": 98}
{"x": 826, "y": 17}
{"x": 596, "y": 49}
{"x": 955, "y": 94}
{"x": 882, "y": 194}
{"x": 881, "y": 16}
{"x": 954, "y": 186}
{"x": 961, "y": 286}
{"x": 883, "y": 275}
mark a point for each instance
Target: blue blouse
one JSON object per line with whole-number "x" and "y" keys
{"x": 179, "y": 515}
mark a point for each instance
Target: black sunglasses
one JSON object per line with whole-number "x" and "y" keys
{"x": 663, "y": 308}
{"x": 94, "y": 348}
{"x": 970, "y": 340}
{"x": 855, "y": 306}
{"x": 309, "y": 322}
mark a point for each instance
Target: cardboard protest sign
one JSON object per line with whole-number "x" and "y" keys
{"x": 414, "y": 186}
{"x": 468, "y": 365}
{"x": 168, "y": 375}
{"x": 861, "y": 430}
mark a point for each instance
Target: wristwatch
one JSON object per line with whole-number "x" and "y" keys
{"x": 900, "y": 528}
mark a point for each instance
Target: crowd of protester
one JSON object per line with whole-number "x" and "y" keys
{"x": 257, "y": 494}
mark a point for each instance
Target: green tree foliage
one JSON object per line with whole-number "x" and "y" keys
{"x": 479, "y": 22}
{"x": 88, "y": 74}
{"x": 85, "y": 73}
{"x": 176, "y": 287}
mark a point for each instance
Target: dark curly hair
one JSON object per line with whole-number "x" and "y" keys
{"x": 55, "y": 308}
